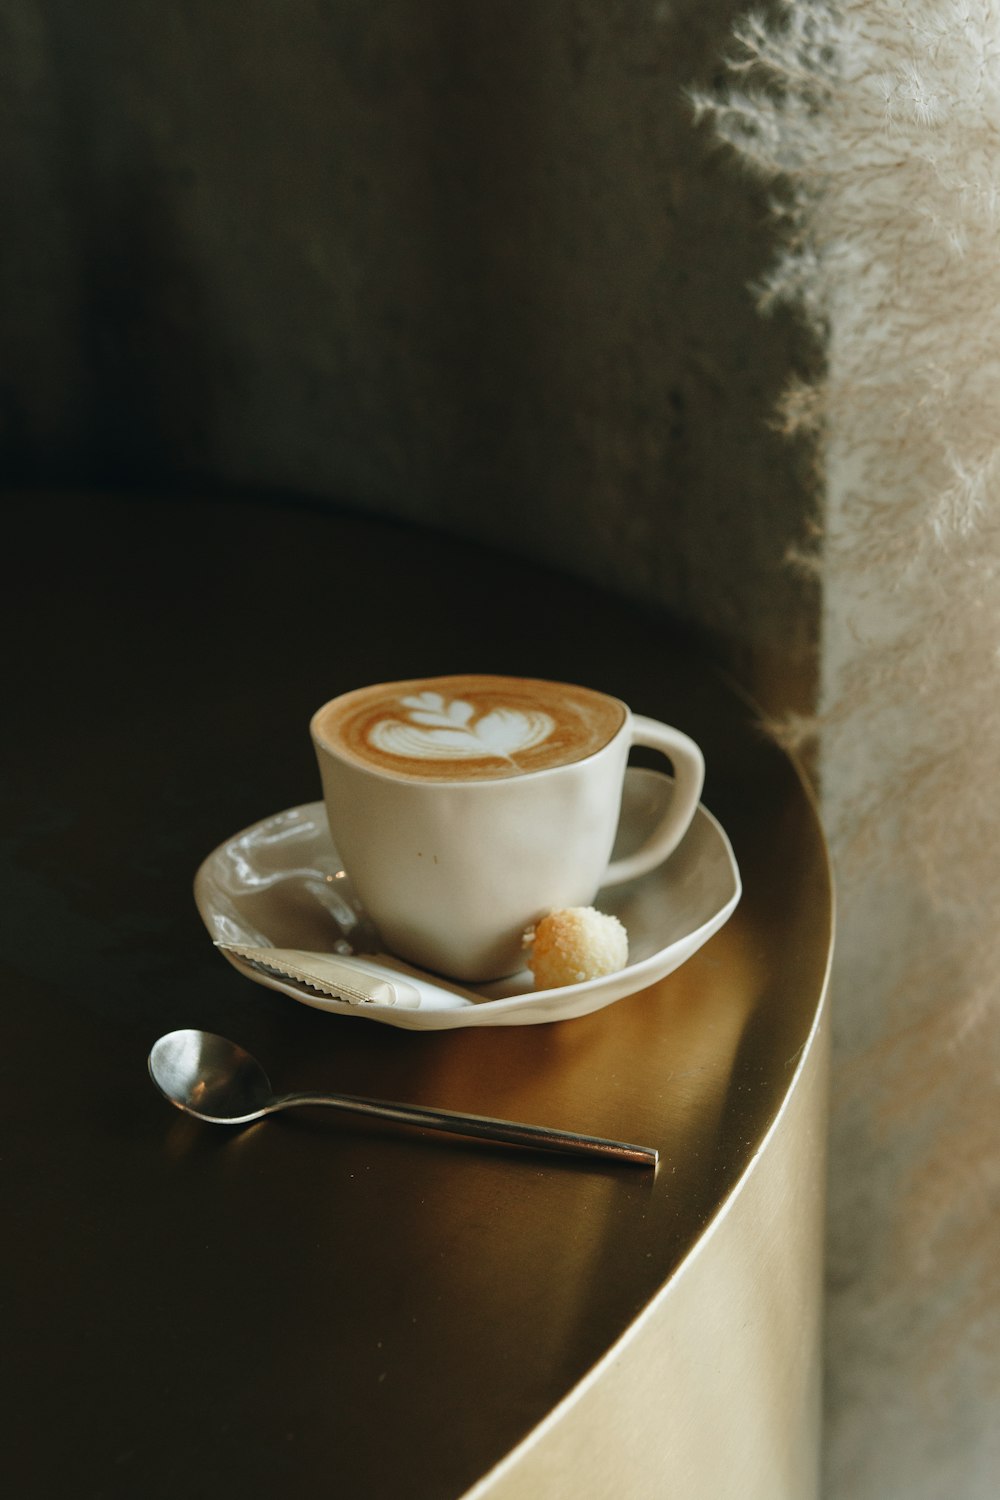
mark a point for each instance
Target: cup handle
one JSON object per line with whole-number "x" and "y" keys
{"x": 689, "y": 777}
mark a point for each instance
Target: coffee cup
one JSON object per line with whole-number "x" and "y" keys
{"x": 464, "y": 808}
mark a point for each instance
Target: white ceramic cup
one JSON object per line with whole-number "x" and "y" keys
{"x": 452, "y": 872}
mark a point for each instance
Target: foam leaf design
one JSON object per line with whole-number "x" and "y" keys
{"x": 430, "y": 708}
{"x": 448, "y": 730}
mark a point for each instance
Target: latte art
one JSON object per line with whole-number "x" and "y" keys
{"x": 468, "y": 728}
{"x": 440, "y": 729}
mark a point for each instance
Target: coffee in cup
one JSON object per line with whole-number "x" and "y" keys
{"x": 466, "y": 807}
{"x": 468, "y": 728}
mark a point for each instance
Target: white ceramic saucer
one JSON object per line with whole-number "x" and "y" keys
{"x": 279, "y": 884}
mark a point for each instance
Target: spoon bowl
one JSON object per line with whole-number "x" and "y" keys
{"x": 216, "y": 1080}
{"x": 210, "y": 1077}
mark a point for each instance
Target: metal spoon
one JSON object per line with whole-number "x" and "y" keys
{"x": 215, "y": 1080}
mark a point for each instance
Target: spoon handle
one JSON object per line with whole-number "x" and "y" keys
{"x": 483, "y": 1127}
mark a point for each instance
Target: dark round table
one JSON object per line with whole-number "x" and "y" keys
{"x": 316, "y": 1305}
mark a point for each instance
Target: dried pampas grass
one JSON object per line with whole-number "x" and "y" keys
{"x": 878, "y": 121}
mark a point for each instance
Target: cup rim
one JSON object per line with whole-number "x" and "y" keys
{"x": 468, "y": 781}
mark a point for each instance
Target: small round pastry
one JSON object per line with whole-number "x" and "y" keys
{"x": 574, "y": 945}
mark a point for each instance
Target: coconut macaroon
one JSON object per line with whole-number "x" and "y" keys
{"x": 574, "y": 945}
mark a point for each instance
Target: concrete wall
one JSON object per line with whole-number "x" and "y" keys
{"x": 458, "y": 260}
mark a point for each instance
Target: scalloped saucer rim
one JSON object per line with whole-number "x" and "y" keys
{"x": 277, "y": 883}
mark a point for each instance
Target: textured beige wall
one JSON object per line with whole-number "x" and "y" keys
{"x": 458, "y": 260}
